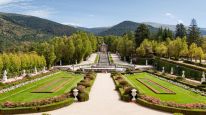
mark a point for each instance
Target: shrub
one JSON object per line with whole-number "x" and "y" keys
{"x": 126, "y": 97}
{"x": 86, "y": 84}
{"x": 84, "y": 96}
{"x": 81, "y": 88}
{"x": 118, "y": 86}
{"x": 123, "y": 83}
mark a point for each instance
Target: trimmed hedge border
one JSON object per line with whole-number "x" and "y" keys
{"x": 170, "y": 109}
{"x": 43, "y": 108}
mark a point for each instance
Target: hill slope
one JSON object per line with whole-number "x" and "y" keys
{"x": 124, "y": 27}
{"x": 18, "y": 27}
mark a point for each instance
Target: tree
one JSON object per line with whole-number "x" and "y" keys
{"x": 69, "y": 52}
{"x": 141, "y": 33}
{"x": 141, "y": 51}
{"x": 163, "y": 34}
{"x": 49, "y": 55}
{"x": 161, "y": 49}
{"x": 180, "y": 31}
{"x": 192, "y": 51}
{"x": 193, "y": 33}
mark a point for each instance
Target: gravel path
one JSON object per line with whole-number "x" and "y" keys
{"x": 104, "y": 100}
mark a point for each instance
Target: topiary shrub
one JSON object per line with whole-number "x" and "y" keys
{"x": 84, "y": 96}
{"x": 126, "y": 97}
{"x": 81, "y": 88}
{"x": 123, "y": 83}
{"x": 86, "y": 84}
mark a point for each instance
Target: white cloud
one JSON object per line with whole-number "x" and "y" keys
{"x": 6, "y": 2}
{"x": 173, "y": 17}
{"x": 71, "y": 24}
{"x": 39, "y": 13}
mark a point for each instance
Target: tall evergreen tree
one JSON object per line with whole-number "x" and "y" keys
{"x": 180, "y": 31}
{"x": 193, "y": 33}
{"x": 141, "y": 33}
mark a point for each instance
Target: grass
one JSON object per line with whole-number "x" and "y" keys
{"x": 181, "y": 96}
{"x": 155, "y": 87}
{"x": 24, "y": 94}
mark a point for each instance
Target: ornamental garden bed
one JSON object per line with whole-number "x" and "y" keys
{"x": 53, "y": 85}
{"x": 22, "y": 100}
{"x": 155, "y": 87}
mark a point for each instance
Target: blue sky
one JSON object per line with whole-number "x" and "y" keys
{"x": 97, "y": 13}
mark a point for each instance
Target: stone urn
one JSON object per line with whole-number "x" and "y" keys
{"x": 75, "y": 93}
{"x": 134, "y": 94}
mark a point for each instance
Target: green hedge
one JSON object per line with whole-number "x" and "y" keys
{"x": 142, "y": 61}
{"x": 170, "y": 109}
{"x": 195, "y": 63}
{"x": 192, "y": 73}
{"x": 37, "y": 109}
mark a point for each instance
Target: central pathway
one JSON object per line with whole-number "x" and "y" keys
{"x": 104, "y": 100}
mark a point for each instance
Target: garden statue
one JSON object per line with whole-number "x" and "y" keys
{"x": 35, "y": 70}
{"x": 183, "y": 74}
{"x": 172, "y": 71}
{"x": 75, "y": 93}
{"x": 203, "y": 77}
{"x": 163, "y": 69}
{"x": 44, "y": 69}
{"x": 134, "y": 94}
{"x": 24, "y": 73}
{"x": 60, "y": 63}
{"x": 4, "y": 76}
{"x": 130, "y": 61}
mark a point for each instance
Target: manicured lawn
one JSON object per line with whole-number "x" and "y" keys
{"x": 155, "y": 87}
{"x": 59, "y": 83}
{"x": 181, "y": 96}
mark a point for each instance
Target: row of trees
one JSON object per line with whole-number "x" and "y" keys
{"x": 67, "y": 50}
{"x": 14, "y": 63}
{"x": 186, "y": 44}
{"x": 171, "y": 48}
{"x": 193, "y": 34}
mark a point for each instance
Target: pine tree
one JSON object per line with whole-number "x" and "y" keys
{"x": 193, "y": 33}
{"x": 180, "y": 31}
{"x": 141, "y": 33}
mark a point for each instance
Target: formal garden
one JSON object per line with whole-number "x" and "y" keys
{"x": 45, "y": 92}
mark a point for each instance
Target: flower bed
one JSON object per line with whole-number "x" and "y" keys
{"x": 53, "y": 86}
{"x": 155, "y": 87}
